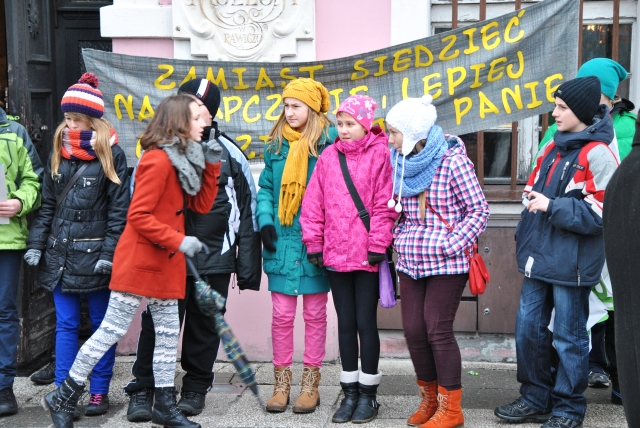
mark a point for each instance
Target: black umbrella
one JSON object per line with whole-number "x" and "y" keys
{"x": 211, "y": 303}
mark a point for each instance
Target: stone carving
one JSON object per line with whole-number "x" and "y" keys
{"x": 243, "y": 30}
{"x": 33, "y": 17}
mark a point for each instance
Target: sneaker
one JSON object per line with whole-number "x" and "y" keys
{"x": 561, "y": 422}
{"x": 598, "y": 380}
{"x": 191, "y": 403}
{"x": 45, "y": 375}
{"x": 140, "y": 405}
{"x": 8, "y": 403}
{"x": 98, "y": 405}
{"x": 517, "y": 411}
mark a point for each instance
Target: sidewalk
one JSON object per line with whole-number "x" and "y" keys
{"x": 494, "y": 385}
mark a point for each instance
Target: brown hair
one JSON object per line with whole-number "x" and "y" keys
{"x": 172, "y": 119}
{"x": 102, "y": 147}
{"x": 317, "y": 125}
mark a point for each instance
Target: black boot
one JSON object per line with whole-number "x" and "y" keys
{"x": 166, "y": 411}
{"x": 367, "y": 407}
{"x": 348, "y": 403}
{"x": 62, "y": 402}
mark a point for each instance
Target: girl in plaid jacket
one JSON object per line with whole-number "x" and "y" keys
{"x": 433, "y": 177}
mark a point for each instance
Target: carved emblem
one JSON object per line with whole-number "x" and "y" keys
{"x": 241, "y": 29}
{"x": 33, "y": 16}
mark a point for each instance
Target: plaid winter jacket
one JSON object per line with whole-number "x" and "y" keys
{"x": 425, "y": 247}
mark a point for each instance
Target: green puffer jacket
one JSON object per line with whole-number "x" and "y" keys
{"x": 624, "y": 123}
{"x": 288, "y": 269}
{"x": 23, "y": 174}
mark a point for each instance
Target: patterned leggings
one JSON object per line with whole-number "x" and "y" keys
{"x": 122, "y": 308}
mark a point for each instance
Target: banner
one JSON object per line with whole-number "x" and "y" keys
{"x": 480, "y": 76}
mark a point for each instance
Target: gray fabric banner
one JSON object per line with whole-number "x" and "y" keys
{"x": 480, "y": 76}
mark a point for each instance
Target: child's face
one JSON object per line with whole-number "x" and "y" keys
{"x": 296, "y": 112}
{"x": 565, "y": 118}
{"x": 197, "y": 124}
{"x": 349, "y": 129}
{"x": 76, "y": 124}
{"x": 395, "y": 137}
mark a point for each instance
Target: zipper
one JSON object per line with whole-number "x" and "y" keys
{"x": 546, "y": 175}
{"x": 87, "y": 239}
{"x": 55, "y": 241}
{"x": 578, "y": 277}
{"x": 564, "y": 171}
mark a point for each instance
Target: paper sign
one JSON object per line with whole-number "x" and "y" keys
{"x": 3, "y": 193}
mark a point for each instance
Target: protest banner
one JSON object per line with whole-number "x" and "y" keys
{"x": 480, "y": 76}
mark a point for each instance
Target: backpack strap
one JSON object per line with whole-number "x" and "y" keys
{"x": 362, "y": 211}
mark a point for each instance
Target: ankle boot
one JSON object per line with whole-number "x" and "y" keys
{"x": 62, "y": 402}
{"x": 449, "y": 413}
{"x": 349, "y": 384}
{"x": 428, "y": 405}
{"x": 367, "y": 406}
{"x": 281, "y": 388}
{"x": 309, "y": 397}
{"x": 166, "y": 411}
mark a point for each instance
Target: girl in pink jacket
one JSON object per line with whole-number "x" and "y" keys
{"x": 336, "y": 237}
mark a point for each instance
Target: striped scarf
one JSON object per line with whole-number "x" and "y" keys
{"x": 78, "y": 144}
{"x": 294, "y": 177}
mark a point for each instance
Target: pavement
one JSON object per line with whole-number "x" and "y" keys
{"x": 229, "y": 404}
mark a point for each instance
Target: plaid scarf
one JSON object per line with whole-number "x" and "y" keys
{"x": 78, "y": 144}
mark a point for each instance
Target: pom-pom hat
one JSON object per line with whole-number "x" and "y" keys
{"x": 414, "y": 117}
{"x": 310, "y": 92}
{"x": 84, "y": 97}
{"x": 361, "y": 108}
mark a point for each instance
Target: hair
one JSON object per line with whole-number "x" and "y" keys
{"x": 172, "y": 119}
{"x": 102, "y": 147}
{"x": 317, "y": 125}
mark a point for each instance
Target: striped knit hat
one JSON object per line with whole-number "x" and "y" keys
{"x": 84, "y": 97}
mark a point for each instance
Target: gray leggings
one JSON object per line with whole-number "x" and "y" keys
{"x": 122, "y": 308}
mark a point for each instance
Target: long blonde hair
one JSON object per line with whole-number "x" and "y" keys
{"x": 102, "y": 147}
{"x": 317, "y": 126}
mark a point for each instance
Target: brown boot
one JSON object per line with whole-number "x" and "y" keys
{"x": 280, "y": 398}
{"x": 309, "y": 397}
{"x": 428, "y": 405}
{"x": 449, "y": 413}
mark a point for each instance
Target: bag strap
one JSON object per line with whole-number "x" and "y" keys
{"x": 71, "y": 183}
{"x": 448, "y": 226}
{"x": 362, "y": 211}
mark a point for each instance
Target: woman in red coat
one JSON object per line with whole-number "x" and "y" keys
{"x": 175, "y": 172}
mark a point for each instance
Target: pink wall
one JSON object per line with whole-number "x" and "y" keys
{"x": 158, "y": 48}
{"x": 351, "y": 27}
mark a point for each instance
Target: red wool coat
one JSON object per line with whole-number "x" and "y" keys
{"x": 147, "y": 261}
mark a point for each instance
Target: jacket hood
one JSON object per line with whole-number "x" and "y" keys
{"x": 3, "y": 118}
{"x": 375, "y": 136}
{"x": 600, "y": 130}
{"x": 622, "y": 106}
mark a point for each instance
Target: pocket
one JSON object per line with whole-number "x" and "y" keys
{"x": 82, "y": 256}
{"x": 149, "y": 257}
{"x": 87, "y": 187}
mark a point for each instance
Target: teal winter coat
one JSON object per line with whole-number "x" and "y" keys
{"x": 288, "y": 269}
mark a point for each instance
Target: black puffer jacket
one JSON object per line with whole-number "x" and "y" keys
{"x": 85, "y": 227}
{"x": 230, "y": 229}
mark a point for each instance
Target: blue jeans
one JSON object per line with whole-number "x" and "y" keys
{"x": 10, "y": 261}
{"x": 67, "y": 329}
{"x": 564, "y": 397}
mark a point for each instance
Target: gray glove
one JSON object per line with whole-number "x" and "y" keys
{"x": 212, "y": 151}
{"x": 103, "y": 267}
{"x": 32, "y": 257}
{"x": 190, "y": 246}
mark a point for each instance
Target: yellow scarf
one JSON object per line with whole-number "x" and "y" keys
{"x": 294, "y": 177}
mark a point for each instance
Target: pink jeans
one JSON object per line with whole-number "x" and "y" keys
{"x": 315, "y": 328}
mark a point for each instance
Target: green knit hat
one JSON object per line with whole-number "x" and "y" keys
{"x": 608, "y": 71}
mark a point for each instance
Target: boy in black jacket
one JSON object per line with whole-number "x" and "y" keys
{"x": 231, "y": 233}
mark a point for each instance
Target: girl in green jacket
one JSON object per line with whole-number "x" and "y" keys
{"x": 295, "y": 142}
{"x": 22, "y": 171}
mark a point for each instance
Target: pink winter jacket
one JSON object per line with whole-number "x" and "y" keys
{"x": 329, "y": 218}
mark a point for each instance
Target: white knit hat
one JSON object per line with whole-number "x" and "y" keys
{"x": 414, "y": 118}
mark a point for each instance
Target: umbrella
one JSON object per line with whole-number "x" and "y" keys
{"x": 211, "y": 303}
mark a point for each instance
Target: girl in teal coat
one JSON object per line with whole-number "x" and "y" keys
{"x": 295, "y": 142}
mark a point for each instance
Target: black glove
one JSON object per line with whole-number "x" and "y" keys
{"x": 269, "y": 235}
{"x": 316, "y": 259}
{"x": 375, "y": 258}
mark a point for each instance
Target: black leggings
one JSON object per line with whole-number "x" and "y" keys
{"x": 355, "y": 297}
